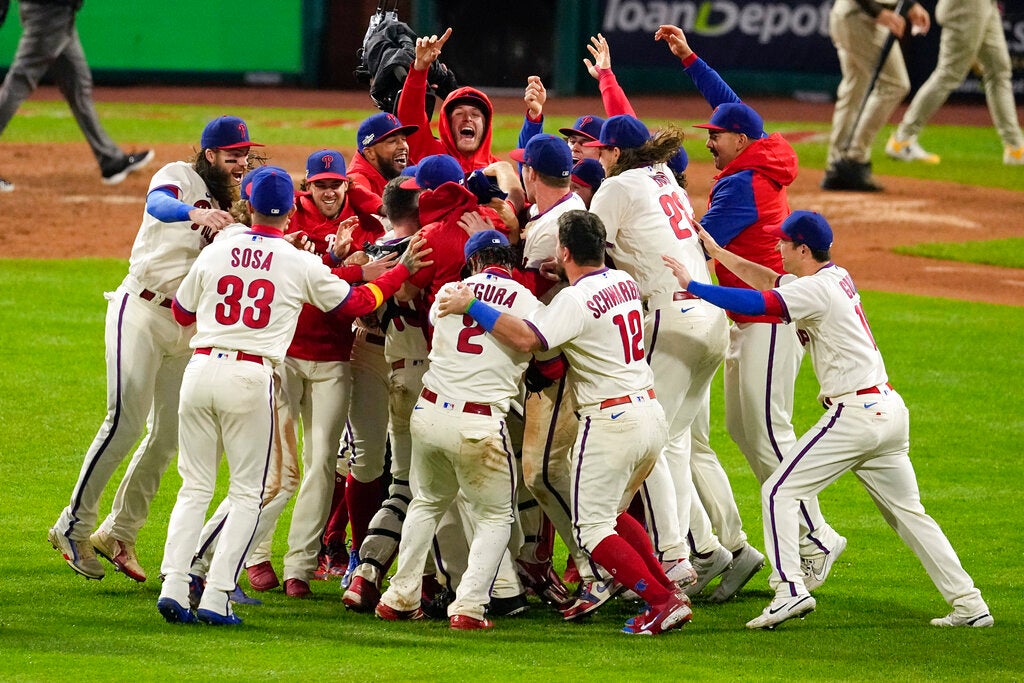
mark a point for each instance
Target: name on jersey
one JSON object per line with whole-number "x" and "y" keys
{"x": 660, "y": 179}
{"x": 493, "y": 294}
{"x": 613, "y": 295}
{"x": 256, "y": 259}
{"x": 847, "y": 286}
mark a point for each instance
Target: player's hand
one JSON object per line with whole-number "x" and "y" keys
{"x": 357, "y": 258}
{"x": 428, "y": 49}
{"x": 535, "y": 96}
{"x": 679, "y": 270}
{"x": 920, "y": 20}
{"x": 343, "y": 238}
{"x": 549, "y": 269}
{"x": 415, "y": 256}
{"x": 598, "y": 49}
{"x": 675, "y": 39}
{"x": 374, "y": 269}
{"x": 710, "y": 245}
{"x": 472, "y": 222}
{"x": 454, "y": 300}
{"x": 892, "y": 21}
{"x": 211, "y": 218}
{"x": 300, "y": 240}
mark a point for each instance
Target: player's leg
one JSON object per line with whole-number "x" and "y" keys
{"x": 323, "y": 419}
{"x": 486, "y": 473}
{"x": 890, "y": 480}
{"x": 244, "y": 404}
{"x": 436, "y": 437}
{"x": 994, "y": 56}
{"x": 46, "y": 30}
{"x": 134, "y": 348}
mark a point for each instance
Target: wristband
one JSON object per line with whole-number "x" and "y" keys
{"x": 486, "y": 316}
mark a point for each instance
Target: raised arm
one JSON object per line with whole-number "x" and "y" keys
{"x": 612, "y": 94}
{"x": 714, "y": 89}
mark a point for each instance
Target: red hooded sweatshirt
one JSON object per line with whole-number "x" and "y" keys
{"x": 422, "y": 143}
{"x": 440, "y": 210}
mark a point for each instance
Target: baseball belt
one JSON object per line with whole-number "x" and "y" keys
{"x": 239, "y": 355}
{"x": 612, "y": 402}
{"x": 467, "y": 407}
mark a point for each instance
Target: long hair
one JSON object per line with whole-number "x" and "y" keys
{"x": 659, "y": 149}
{"x": 220, "y": 183}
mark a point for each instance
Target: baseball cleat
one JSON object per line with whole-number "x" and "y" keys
{"x": 214, "y": 619}
{"x": 196, "y": 587}
{"x": 323, "y": 568}
{"x": 746, "y": 563}
{"x": 120, "y": 554}
{"x": 174, "y": 613}
{"x": 983, "y": 620}
{"x": 816, "y": 568}
{"x": 461, "y": 622}
{"x": 508, "y": 607}
{"x": 353, "y": 562}
{"x": 782, "y": 609}
{"x": 707, "y": 568}
{"x": 131, "y": 163}
{"x": 297, "y": 588}
{"x": 6, "y": 185}
{"x": 362, "y": 595}
{"x": 388, "y": 613}
{"x": 592, "y": 595}
{"x": 1012, "y": 156}
{"x": 908, "y": 150}
{"x": 673, "y": 614}
{"x": 681, "y": 572}
{"x": 544, "y": 581}
{"x": 79, "y": 555}
{"x": 239, "y": 597}
{"x": 262, "y": 577}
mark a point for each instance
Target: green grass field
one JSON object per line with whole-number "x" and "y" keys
{"x": 958, "y": 365}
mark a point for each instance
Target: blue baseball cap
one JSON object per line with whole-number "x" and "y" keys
{"x": 485, "y": 239}
{"x": 736, "y": 117}
{"x": 409, "y": 171}
{"x": 587, "y": 125}
{"x": 226, "y": 132}
{"x": 678, "y": 161}
{"x": 434, "y": 171}
{"x": 325, "y": 164}
{"x": 804, "y": 227}
{"x": 379, "y": 126}
{"x": 245, "y": 189}
{"x": 273, "y": 192}
{"x": 547, "y": 154}
{"x": 621, "y": 131}
{"x": 588, "y": 172}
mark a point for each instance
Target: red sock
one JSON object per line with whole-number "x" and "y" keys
{"x": 626, "y": 567}
{"x": 334, "y": 531}
{"x": 363, "y": 501}
{"x": 634, "y": 534}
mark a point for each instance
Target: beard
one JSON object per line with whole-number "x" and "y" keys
{"x": 220, "y": 183}
{"x": 560, "y": 271}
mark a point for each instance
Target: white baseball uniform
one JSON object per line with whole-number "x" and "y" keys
{"x": 146, "y": 354}
{"x": 597, "y": 322}
{"x": 246, "y": 291}
{"x": 464, "y": 444}
{"x": 646, "y": 214}
{"x": 865, "y": 429}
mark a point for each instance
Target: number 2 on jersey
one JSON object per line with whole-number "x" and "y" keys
{"x": 678, "y": 216}
{"x": 471, "y": 329}
{"x": 631, "y": 331}
{"x": 230, "y": 311}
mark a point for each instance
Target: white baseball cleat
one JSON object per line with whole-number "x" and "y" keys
{"x": 745, "y": 564}
{"x": 983, "y": 620}
{"x": 909, "y": 150}
{"x": 817, "y": 567}
{"x": 1012, "y": 156}
{"x": 783, "y": 609}
{"x": 708, "y": 568}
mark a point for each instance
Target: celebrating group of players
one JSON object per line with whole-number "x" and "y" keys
{"x": 532, "y": 347}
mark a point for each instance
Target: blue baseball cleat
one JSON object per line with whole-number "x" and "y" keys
{"x": 213, "y": 619}
{"x": 174, "y": 613}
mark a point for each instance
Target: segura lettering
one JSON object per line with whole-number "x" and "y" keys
{"x": 612, "y": 296}
{"x": 493, "y": 294}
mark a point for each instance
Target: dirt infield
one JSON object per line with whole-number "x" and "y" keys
{"x": 60, "y": 209}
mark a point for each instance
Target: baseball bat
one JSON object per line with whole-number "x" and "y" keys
{"x": 890, "y": 40}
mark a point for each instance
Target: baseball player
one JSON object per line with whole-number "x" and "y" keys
{"x": 645, "y": 213}
{"x": 586, "y": 128}
{"x": 597, "y": 322}
{"x": 972, "y": 34}
{"x": 587, "y": 176}
{"x": 865, "y": 427}
{"x": 146, "y": 351}
{"x": 764, "y": 353}
{"x": 858, "y": 29}
{"x": 244, "y": 296}
{"x": 464, "y": 445}
{"x": 382, "y": 153}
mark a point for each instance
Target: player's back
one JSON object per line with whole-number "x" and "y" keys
{"x": 247, "y": 291}
{"x": 468, "y": 364}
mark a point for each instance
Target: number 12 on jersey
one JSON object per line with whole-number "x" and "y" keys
{"x": 631, "y": 332}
